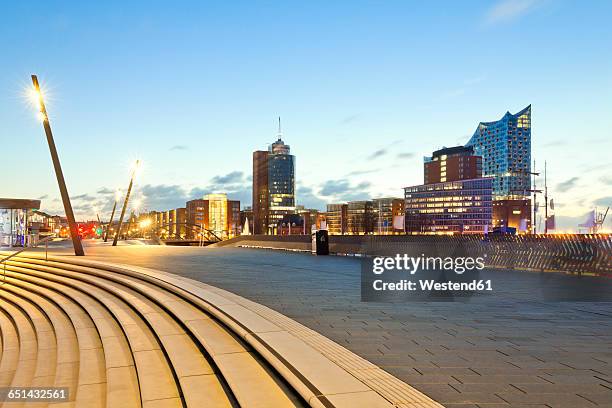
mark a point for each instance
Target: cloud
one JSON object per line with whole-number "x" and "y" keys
{"x": 505, "y": 11}
{"x": 105, "y": 191}
{"x": 178, "y": 147}
{"x": 567, "y": 184}
{"x": 306, "y": 196}
{"x": 84, "y": 197}
{"x": 378, "y": 153}
{"x": 606, "y": 180}
{"x": 362, "y": 172}
{"x": 555, "y": 143}
{"x": 230, "y": 178}
{"x": 603, "y": 202}
{"x": 405, "y": 155}
{"x": 349, "y": 119}
{"x": 163, "y": 197}
{"x": 343, "y": 190}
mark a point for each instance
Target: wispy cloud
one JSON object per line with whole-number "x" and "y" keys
{"x": 405, "y": 155}
{"x": 567, "y": 184}
{"x": 350, "y": 118}
{"x": 178, "y": 148}
{"x": 508, "y": 10}
{"x": 376, "y": 154}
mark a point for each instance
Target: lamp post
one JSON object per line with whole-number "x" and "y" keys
{"x": 110, "y": 222}
{"x": 125, "y": 203}
{"x": 76, "y": 242}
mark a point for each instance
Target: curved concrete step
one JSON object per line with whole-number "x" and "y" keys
{"x": 122, "y": 383}
{"x": 10, "y": 348}
{"x": 251, "y": 383}
{"x": 156, "y": 380}
{"x": 197, "y": 345}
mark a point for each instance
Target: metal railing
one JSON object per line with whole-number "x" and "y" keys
{"x": 24, "y": 249}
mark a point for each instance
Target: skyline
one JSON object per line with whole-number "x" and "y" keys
{"x": 196, "y": 124}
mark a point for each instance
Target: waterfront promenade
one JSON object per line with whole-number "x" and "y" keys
{"x": 510, "y": 349}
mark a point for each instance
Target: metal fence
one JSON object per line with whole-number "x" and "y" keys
{"x": 571, "y": 253}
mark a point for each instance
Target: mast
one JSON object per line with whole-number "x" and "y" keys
{"x": 535, "y": 203}
{"x": 545, "y": 201}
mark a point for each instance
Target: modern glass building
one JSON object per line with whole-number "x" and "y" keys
{"x": 273, "y": 186}
{"x": 505, "y": 146}
{"x": 463, "y": 206}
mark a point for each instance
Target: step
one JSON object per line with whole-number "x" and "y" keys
{"x": 119, "y": 364}
{"x": 10, "y": 349}
{"x": 161, "y": 386}
{"x": 251, "y": 382}
{"x": 186, "y": 357}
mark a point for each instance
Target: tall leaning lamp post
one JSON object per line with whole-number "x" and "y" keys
{"x": 76, "y": 242}
{"x": 125, "y": 203}
{"x": 110, "y": 222}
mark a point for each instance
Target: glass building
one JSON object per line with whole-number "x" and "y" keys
{"x": 463, "y": 206}
{"x": 505, "y": 146}
{"x": 273, "y": 186}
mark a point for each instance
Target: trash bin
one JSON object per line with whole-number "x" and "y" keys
{"x": 320, "y": 242}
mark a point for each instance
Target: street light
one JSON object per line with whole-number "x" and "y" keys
{"x": 126, "y": 202}
{"x": 110, "y": 222}
{"x": 76, "y": 243}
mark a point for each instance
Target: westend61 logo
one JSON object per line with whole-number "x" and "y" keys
{"x": 402, "y": 277}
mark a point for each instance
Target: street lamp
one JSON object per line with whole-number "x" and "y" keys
{"x": 110, "y": 222}
{"x": 76, "y": 243}
{"x": 126, "y": 202}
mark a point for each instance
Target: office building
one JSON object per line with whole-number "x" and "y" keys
{"x": 360, "y": 218}
{"x": 463, "y": 206}
{"x": 505, "y": 147}
{"x": 386, "y": 212}
{"x": 273, "y": 186}
{"x": 214, "y": 214}
{"x": 512, "y": 213}
{"x": 336, "y": 219}
{"x": 452, "y": 164}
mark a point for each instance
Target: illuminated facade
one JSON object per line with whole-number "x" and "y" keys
{"x": 273, "y": 186}
{"x": 384, "y": 210}
{"x": 336, "y": 219}
{"x": 463, "y": 206}
{"x": 15, "y": 217}
{"x": 452, "y": 164}
{"x": 505, "y": 146}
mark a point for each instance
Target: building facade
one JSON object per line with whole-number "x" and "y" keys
{"x": 385, "y": 212}
{"x": 336, "y": 219}
{"x": 463, "y": 206}
{"x": 360, "y": 217}
{"x": 513, "y": 214}
{"x": 505, "y": 147}
{"x": 273, "y": 186}
{"x": 452, "y": 164}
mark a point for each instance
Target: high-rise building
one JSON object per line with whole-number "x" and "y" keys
{"x": 273, "y": 185}
{"x": 463, "y": 206}
{"x": 452, "y": 164}
{"x": 505, "y": 147}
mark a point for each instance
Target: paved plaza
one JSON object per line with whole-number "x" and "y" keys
{"x": 509, "y": 349}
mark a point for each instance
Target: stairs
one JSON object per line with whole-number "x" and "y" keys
{"x": 120, "y": 336}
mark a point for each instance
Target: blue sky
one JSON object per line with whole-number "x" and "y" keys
{"x": 365, "y": 90}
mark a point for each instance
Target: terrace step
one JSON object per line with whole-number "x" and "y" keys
{"x": 140, "y": 337}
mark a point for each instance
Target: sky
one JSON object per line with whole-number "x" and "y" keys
{"x": 365, "y": 89}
